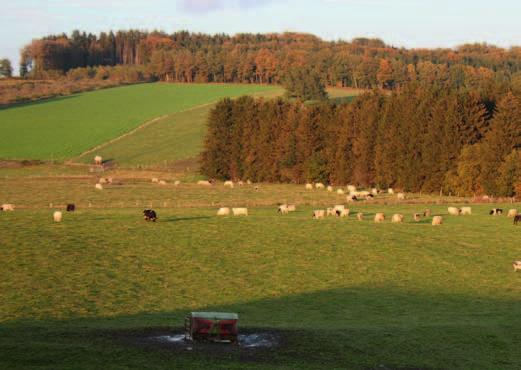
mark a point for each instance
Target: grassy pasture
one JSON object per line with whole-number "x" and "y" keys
{"x": 175, "y": 141}
{"x": 343, "y": 293}
{"x": 65, "y": 127}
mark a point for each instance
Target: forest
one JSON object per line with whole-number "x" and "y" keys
{"x": 268, "y": 58}
{"x": 418, "y": 139}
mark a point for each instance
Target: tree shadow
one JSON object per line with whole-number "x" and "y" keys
{"x": 38, "y": 102}
{"x": 347, "y": 328}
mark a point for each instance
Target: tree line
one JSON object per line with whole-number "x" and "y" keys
{"x": 269, "y": 58}
{"x": 416, "y": 139}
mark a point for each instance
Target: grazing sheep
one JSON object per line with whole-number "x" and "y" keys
{"x": 339, "y": 207}
{"x": 177, "y": 183}
{"x": 57, "y": 216}
{"x": 427, "y": 213}
{"x": 374, "y": 191}
{"x": 7, "y": 207}
{"x": 454, "y": 211}
{"x": 400, "y": 196}
{"x": 330, "y": 212}
{"x": 225, "y": 211}
{"x": 390, "y": 191}
{"x": 437, "y": 220}
{"x": 98, "y": 160}
{"x": 228, "y": 184}
{"x": 240, "y": 211}
{"x": 319, "y": 214}
{"x": 102, "y": 180}
{"x": 512, "y": 213}
{"x": 162, "y": 182}
{"x": 248, "y": 182}
{"x": 379, "y": 217}
{"x": 110, "y": 180}
{"x": 150, "y": 215}
{"x": 351, "y": 188}
{"x": 496, "y": 212}
{"x": 71, "y": 207}
{"x": 340, "y": 192}
{"x": 397, "y": 218}
{"x": 360, "y": 216}
{"x": 342, "y": 212}
{"x": 204, "y": 182}
{"x": 99, "y": 187}
{"x": 330, "y": 188}
{"x": 319, "y": 185}
{"x": 292, "y": 208}
{"x": 309, "y": 186}
{"x": 351, "y": 198}
{"x": 517, "y": 265}
{"x": 363, "y": 193}
{"x": 240, "y": 183}
{"x": 417, "y": 217}
{"x": 155, "y": 179}
{"x": 517, "y": 219}
{"x": 466, "y": 210}
{"x": 283, "y": 209}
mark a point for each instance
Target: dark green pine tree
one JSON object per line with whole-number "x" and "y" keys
{"x": 504, "y": 136}
{"x": 216, "y": 155}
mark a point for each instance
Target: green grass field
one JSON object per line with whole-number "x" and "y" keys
{"x": 340, "y": 293}
{"x": 61, "y": 128}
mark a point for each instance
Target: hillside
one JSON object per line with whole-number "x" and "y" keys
{"x": 62, "y": 128}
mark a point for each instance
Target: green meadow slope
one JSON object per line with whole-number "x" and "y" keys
{"x": 65, "y": 127}
{"x": 338, "y": 293}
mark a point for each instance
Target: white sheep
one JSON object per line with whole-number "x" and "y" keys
{"x": 99, "y": 187}
{"x": 204, "y": 182}
{"x": 512, "y": 213}
{"x": 225, "y": 211}
{"x": 390, "y": 191}
{"x": 374, "y": 191}
{"x": 177, "y": 183}
{"x": 248, "y": 182}
{"x": 517, "y": 265}
{"x": 400, "y": 196}
{"x": 329, "y": 188}
{"x": 162, "y": 182}
{"x": 330, "y": 212}
{"x": 319, "y": 185}
{"x": 319, "y": 214}
{"x": 240, "y": 211}
{"x": 7, "y": 207}
{"x": 57, "y": 216}
{"x": 397, "y": 218}
{"x": 437, "y": 220}
{"x": 466, "y": 210}
{"x": 98, "y": 160}
{"x": 351, "y": 188}
{"x": 292, "y": 208}
{"x": 155, "y": 180}
{"x": 283, "y": 209}
{"x": 229, "y": 184}
{"x": 417, "y": 217}
{"x": 344, "y": 213}
{"x": 102, "y": 180}
{"x": 309, "y": 186}
{"x": 360, "y": 216}
{"x": 454, "y": 211}
{"x": 379, "y": 217}
{"x": 340, "y": 191}
{"x": 339, "y": 207}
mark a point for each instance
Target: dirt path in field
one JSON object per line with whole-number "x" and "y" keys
{"x": 133, "y": 131}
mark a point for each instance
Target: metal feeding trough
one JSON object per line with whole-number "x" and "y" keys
{"x": 211, "y": 326}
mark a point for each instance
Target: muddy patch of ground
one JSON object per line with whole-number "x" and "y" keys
{"x": 253, "y": 344}
{"x": 19, "y": 164}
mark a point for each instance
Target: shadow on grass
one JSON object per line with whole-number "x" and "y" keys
{"x": 38, "y": 102}
{"x": 181, "y": 219}
{"x": 349, "y": 328}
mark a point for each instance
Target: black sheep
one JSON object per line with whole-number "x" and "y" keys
{"x": 150, "y": 215}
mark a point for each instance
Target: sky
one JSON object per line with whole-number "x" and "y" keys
{"x": 408, "y": 23}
